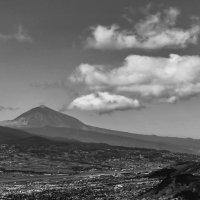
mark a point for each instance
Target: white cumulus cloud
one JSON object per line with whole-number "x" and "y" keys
{"x": 145, "y": 77}
{"x": 104, "y": 102}
{"x": 155, "y": 31}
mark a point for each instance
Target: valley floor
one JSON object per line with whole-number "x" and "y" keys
{"x": 97, "y": 186}
{"x": 84, "y": 172}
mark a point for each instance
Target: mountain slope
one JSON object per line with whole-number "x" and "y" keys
{"x": 128, "y": 140}
{"x": 43, "y": 116}
{"x": 14, "y": 136}
{"x": 43, "y": 121}
{"x": 178, "y": 181}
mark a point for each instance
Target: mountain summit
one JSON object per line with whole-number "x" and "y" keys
{"x": 43, "y": 116}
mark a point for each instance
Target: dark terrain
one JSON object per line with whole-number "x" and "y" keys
{"x": 180, "y": 180}
{"x": 32, "y": 167}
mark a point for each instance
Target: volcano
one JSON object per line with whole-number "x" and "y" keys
{"x": 43, "y": 116}
{"x": 51, "y": 124}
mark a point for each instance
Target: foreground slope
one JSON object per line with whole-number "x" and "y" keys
{"x": 181, "y": 181}
{"x": 43, "y": 121}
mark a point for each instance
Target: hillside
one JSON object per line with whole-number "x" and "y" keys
{"x": 181, "y": 181}
{"x": 15, "y": 136}
{"x": 43, "y": 121}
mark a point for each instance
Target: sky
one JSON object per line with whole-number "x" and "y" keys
{"x": 124, "y": 65}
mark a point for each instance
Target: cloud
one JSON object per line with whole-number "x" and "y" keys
{"x": 154, "y": 32}
{"x": 104, "y": 102}
{"x": 20, "y": 36}
{"x": 147, "y": 78}
{"x": 3, "y": 108}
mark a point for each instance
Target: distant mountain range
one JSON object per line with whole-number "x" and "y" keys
{"x": 45, "y": 122}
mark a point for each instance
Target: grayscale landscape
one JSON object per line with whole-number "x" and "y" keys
{"x": 99, "y": 100}
{"x": 78, "y": 161}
